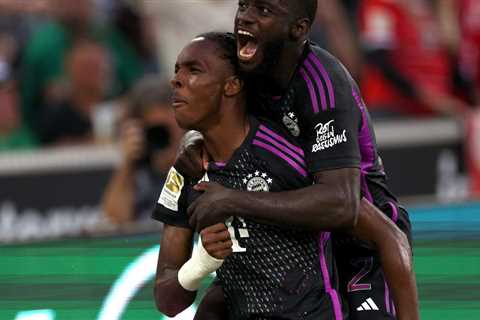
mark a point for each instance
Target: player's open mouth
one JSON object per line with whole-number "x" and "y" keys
{"x": 247, "y": 45}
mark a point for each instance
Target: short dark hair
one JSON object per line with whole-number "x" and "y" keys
{"x": 306, "y": 8}
{"x": 227, "y": 42}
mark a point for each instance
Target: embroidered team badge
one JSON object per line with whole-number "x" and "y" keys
{"x": 258, "y": 182}
{"x": 290, "y": 121}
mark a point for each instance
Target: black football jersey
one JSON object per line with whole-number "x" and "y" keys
{"x": 274, "y": 272}
{"x": 323, "y": 109}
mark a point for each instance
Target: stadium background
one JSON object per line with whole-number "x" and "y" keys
{"x": 62, "y": 258}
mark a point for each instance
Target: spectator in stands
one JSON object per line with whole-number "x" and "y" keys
{"x": 468, "y": 14}
{"x": 408, "y": 70}
{"x": 149, "y": 139}
{"x": 334, "y": 29}
{"x": 71, "y": 102}
{"x": 469, "y": 47}
{"x": 13, "y": 135}
{"x": 177, "y": 22}
{"x": 137, "y": 28}
{"x": 45, "y": 53}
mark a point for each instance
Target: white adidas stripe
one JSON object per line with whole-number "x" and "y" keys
{"x": 372, "y": 304}
{"x": 369, "y": 304}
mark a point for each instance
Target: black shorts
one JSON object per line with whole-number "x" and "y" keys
{"x": 362, "y": 282}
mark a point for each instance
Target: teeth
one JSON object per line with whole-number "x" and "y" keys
{"x": 245, "y": 33}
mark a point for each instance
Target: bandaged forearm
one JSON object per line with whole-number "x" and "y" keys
{"x": 200, "y": 265}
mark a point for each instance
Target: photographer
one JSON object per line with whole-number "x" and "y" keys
{"x": 149, "y": 138}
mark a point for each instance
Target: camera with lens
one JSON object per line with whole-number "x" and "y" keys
{"x": 157, "y": 138}
{"x": 152, "y": 94}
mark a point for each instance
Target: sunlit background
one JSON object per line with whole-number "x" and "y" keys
{"x": 86, "y": 135}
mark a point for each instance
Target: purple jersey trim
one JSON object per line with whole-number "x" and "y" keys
{"x": 311, "y": 90}
{"x": 337, "y": 309}
{"x": 318, "y": 82}
{"x": 321, "y": 68}
{"x": 387, "y": 297}
{"x": 281, "y": 139}
{"x": 394, "y": 211}
{"x": 364, "y": 186}
{"x": 281, "y": 147}
{"x": 367, "y": 148}
{"x": 280, "y": 154}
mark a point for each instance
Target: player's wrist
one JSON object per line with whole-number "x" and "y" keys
{"x": 234, "y": 204}
{"x": 200, "y": 265}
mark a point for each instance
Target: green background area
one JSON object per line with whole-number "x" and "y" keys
{"x": 73, "y": 277}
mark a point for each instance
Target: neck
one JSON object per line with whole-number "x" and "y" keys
{"x": 223, "y": 138}
{"x": 283, "y": 72}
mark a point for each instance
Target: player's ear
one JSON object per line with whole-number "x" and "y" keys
{"x": 300, "y": 29}
{"x": 233, "y": 86}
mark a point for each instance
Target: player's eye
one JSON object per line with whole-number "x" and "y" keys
{"x": 242, "y": 5}
{"x": 195, "y": 70}
{"x": 264, "y": 10}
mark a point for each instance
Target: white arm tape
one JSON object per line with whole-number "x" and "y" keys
{"x": 200, "y": 265}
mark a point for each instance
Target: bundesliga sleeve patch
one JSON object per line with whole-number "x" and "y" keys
{"x": 327, "y": 137}
{"x": 172, "y": 190}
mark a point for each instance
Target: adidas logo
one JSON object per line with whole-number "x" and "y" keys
{"x": 368, "y": 305}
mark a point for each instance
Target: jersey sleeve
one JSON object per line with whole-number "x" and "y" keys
{"x": 330, "y": 115}
{"x": 171, "y": 207}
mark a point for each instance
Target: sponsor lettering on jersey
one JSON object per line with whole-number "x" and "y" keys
{"x": 327, "y": 137}
{"x": 172, "y": 190}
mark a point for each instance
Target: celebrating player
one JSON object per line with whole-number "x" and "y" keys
{"x": 305, "y": 89}
{"x": 274, "y": 271}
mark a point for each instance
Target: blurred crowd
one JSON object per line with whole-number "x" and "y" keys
{"x": 96, "y": 71}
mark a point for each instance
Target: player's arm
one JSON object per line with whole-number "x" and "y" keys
{"x": 217, "y": 242}
{"x": 335, "y": 194}
{"x": 180, "y": 271}
{"x": 212, "y": 306}
{"x": 118, "y": 199}
{"x": 395, "y": 254}
{"x": 175, "y": 248}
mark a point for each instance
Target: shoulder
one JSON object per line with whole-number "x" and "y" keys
{"x": 322, "y": 58}
{"x": 272, "y": 143}
{"x": 271, "y": 129}
{"x": 326, "y": 83}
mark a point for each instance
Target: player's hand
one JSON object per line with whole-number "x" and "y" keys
{"x": 212, "y": 207}
{"x": 216, "y": 241}
{"x": 191, "y": 158}
{"x": 132, "y": 141}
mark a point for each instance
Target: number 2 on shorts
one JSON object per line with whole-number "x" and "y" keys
{"x": 354, "y": 284}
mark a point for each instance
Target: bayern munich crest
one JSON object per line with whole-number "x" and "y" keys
{"x": 258, "y": 182}
{"x": 291, "y": 122}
